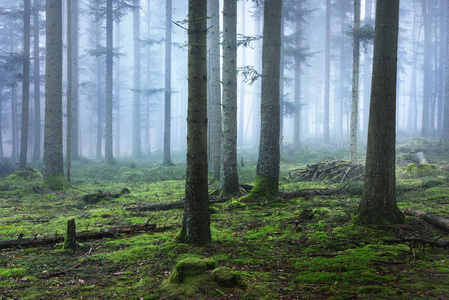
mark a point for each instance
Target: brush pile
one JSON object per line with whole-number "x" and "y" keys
{"x": 332, "y": 171}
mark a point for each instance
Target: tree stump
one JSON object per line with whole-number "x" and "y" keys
{"x": 70, "y": 239}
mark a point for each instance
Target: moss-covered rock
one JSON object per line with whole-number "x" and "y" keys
{"x": 225, "y": 277}
{"x": 420, "y": 169}
{"x": 56, "y": 182}
{"x": 191, "y": 267}
{"x": 27, "y": 174}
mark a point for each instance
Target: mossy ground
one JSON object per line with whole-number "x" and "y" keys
{"x": 302, "y": 248}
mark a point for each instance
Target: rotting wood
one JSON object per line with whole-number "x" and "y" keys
{"x": 429, "y": 218}
{"x": 84, "y": 235}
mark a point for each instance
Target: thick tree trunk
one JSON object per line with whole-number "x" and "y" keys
{"x": 167, "y": 105}
{"x": 378, "y": 203}
{"x": 196, "y": 221}
{"x": 69, "y": 91}
{"x": 37, "y": 84}
{"x": 267, "y": 180}
{"x": 53, "y": 173}
{"x": 355, "y": 82}
{"x": 109, "y": 77}
{"x": 228, "y": 169}
{"x": 214, "y": 91}
{"x": 136, "y": 136}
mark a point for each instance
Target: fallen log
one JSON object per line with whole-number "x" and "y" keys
{"x": 429, "y": 218}
{"x": 430, "y": 242}
{"x": 169, "y": 205}
{"x": 84, "y": 235}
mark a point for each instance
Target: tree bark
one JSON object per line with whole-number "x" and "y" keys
{"x": 355, "y": 82}
{"x": 37, "y": 83}
{"x": 378, "y": 203}
{"x": 429, "y": 218}
{"x": 117, "y": 87}
{"x": 69, "y": 91}
{"x": 426, "y": 127}
{"x": 214, "y": 91}
{"x": 167, "y": 108}
{"x": 297, "y": 85}
{"x": 445, "y": 130}
{"x": 25, "y": 84}
{"x": 229, "y": 183}
{"x": 70, "y": 238}
{"x": 53, "y": 172}
{"x": 75, "y": 136}
{"x": 267, "y": 180}
{"x": 327, "y": 73}
{"x": 196, "y": 221}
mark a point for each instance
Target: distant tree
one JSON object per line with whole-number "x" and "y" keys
{"x": 25, "y": 84}
{"x": 426, "y": 127}
{"x": 378, "y": 203}
{"x": 168, "y": 92}
{"x": 53, "y": 173}
{"x": 367, "y": 64}
{"x": 69, "y": 91}
{"x": 355, "y": 82}
{"x": 136, "y": 134}
{"x": 327, "y": 57}
{"x": 74, "y": 37}
{"x": 229, "y": 183}
{"x": 214, "y": 89}
{"x": 196, "y": 221}
{"x": 37, "y": 81}
{"x": 108, "y": 150}
{"x": 445, "y": 130}
{"x": 267, "y": 180}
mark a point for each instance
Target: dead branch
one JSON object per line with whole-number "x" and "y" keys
{"x": 429, "y": 218}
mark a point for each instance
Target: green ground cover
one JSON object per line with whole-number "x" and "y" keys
{"x": 300, "y": 248}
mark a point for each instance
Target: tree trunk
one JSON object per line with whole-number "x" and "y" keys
{"x": 367, "y": 59}
{"x": 327, "y": 73}
{"x": 109, "y": 77}
{"x": 25, "y": 84}
{"x": 355, "y": 82}
{"x": 297, "y": 85}
{"x": 445, "y": 130}
{"x": 75, "y": 136}
{"x": 426, "y": 127}
{"x": 117, "y": 87}
{"x": 148, "y": 85}
{"x": 136, "y": 136}
{"x": 196, "y": 221}
{"x": 241, "y": 105}
{"x": 37, "y": 84}
{"x": 70, "y": 238}
{"x": 69, "y": 91}
{"x": 99, "y": 96}
{"x": 267, "y": 180}
{"x": 257, "y": 86}
{"x": 167, "y": 108}
{"x": 228, "y": 169}
{"x": 214, "y": 89}
{"x": 378, "y": 203}
{"x": 53, "y": 172}
{"x": 1, "y": 131}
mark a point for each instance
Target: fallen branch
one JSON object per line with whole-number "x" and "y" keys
{"x": 84, "y": 235}
{"x": 413, "y": 240}
{"x": 429, "y": 218}
{"x": 170, "y": 205}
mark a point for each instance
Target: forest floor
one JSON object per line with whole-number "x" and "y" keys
{"x": 307, "y": 247}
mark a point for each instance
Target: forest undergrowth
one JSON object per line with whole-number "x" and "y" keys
{"x": 308, "y": 247}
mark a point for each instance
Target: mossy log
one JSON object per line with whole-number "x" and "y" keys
{"x": 170, "y": 205}
{"x": 84, "y": 235}
{"x": 70, "y": 238}
{"x": 429, "y": 218}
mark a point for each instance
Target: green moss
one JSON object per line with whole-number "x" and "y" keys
{"x": 56, "y": 182}
{"x": 13, "y": 272}
{"x": 225, "y": 277}
{"x": 27, "y": 174}
{"x": 265, "y": 188}
{"x": 191, "y": 267}
{"x": 420, "y": 169}
{"x": 133, "y": 255}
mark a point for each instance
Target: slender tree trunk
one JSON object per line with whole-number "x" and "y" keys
{"x": 37, "y": 84}
{"x": 378, "y": 203}
{"x": 196, "y": 221}
{"x": 445, "y": 130}
{"x": 75, "y": 136}
{"x": 241, "y": 108}
{"x": 214, "y": 91}
{"x": 69, "y": 90}
{"x": 257, "y": 86}
{"x": 367, "y": 59}
{"x": 53, "y": 173}
{"x": 167, "y": 108}
{"x": 281, "y": 85}
{"x": 117, "y": 87}
{"x": 355, "y": 82}
{"x": 1, "y": 131}
{"x": 109, "y": 78}
{"x": 148, "y": 112}
{"x": 327, "y": 73}
{"x": 14, "y": 130}
{"x": 136, "y": 136}
{"x": 229, "y": 183}
{"x": 426, "y": 126}
{"x": 267, "y": 180}
{"x": 100, "y": 96}
{"x": 297, "y": 85}
{"x": 25, "y": 84}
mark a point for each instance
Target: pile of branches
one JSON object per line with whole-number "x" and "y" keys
{"x": 335, "y": 171}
